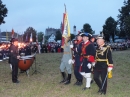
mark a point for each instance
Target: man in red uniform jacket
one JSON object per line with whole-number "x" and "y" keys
{"x": 88, "y": 53}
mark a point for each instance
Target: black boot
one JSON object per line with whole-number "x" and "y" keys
{"x": 79, "y": 83}
{"x": 64, "y": 77}
{"x": 76, "y": 82}
{"x": 103, "y": 92}
{"x": 68, "y": 80}
{"x": 99, "y": 91}
{"x": 92, "y": 81}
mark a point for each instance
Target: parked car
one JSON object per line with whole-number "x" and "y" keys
{"x": 120, "y": 40}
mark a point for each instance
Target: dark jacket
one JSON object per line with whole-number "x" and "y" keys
{"x": 13, "y": 54}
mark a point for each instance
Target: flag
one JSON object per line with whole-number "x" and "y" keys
{"x": 66, "y": 30}
{"x": 12, "y": 33}
{"x": 6, "y": 35}
{"x": 65, "y": 27}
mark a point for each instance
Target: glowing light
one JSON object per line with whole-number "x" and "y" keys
{"x": 30, "y": 39}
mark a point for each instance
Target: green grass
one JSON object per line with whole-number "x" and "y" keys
{"x": 47, "y": 83}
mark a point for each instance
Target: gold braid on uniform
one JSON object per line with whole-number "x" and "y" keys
{"x": 101, "y": 52}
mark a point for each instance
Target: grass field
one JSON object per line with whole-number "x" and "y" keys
{"x": 47, "y": 83}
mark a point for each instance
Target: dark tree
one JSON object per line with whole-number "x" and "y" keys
{"x": 58, "y": 35}
{"x": 72, "y": 36}
{"x": 109, "y": 28}
{"x": 87, "y": 28}
{"x": 3, "y": 12}
{"x": 27, "y": 34}
{"x": 40, "y": 36}
{"x": 124, "y": 19}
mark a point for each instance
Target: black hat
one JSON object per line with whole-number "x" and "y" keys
{"x": 92, "y": 36}
{"x": 79, "y": 34}
{"x": 86, "y": 34}
{"x": 74, "y": 39}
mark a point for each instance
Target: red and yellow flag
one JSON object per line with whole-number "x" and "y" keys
{"x": 65, "y": 27}
{"x": 66, "y": 30}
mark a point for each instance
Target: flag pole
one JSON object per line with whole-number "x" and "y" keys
{"x": 65, "y": 7}
{"x": 68, "y": 27}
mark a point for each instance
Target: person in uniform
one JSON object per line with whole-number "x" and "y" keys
{"x": 75, "y": 41}
{"x": 35, "y": 48}
{"x": 4, "y": 51}
{"x": 88, "y": 55}
{"x": 77, "y": 54}
{"x": 65, "y": 62}
{"x": 27, "y": 49}
{"x": 21, "y": 51}
{"x": 39, "y": 48}
{"x": 11, "y": 43}
{"x": 14, "y": 55}
{"x": 46, "y": 49}
{"x": 104, "y": 64}
{"x": 92, "y": 40}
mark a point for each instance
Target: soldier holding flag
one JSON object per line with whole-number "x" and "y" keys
{"x": 65, "y": 62}
{"x": 67, "y": 54}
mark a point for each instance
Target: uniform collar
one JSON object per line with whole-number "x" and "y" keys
{"x": 79, "y": 41}
{"x": 86, "y": 42}
{"x": 102, "y": 45}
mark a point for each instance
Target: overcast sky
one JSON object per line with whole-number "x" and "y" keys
{"x": 41, "y": 14}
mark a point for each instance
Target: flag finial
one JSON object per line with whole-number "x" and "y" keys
{"x": 65, "y": 7}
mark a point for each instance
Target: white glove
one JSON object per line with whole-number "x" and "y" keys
{"x": 89, "y": 65}
{"x": 109, "y": 69}
{"x": 71, "y": 46}
{"x": 71, "y": 61}
{"x": 93, "y": 64}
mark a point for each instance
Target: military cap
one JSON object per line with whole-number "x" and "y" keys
{"x": 91, "y": 36}
{"x": 86, "y": 34}
{"x": 79, "y": 34}
{"x": 100, "y": 37}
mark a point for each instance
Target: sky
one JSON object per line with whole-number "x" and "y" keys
{"x": 41, "y": 14}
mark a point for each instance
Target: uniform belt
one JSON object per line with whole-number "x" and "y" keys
{"x": 101, "y": 60}
{"x": 86, "y": 57}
